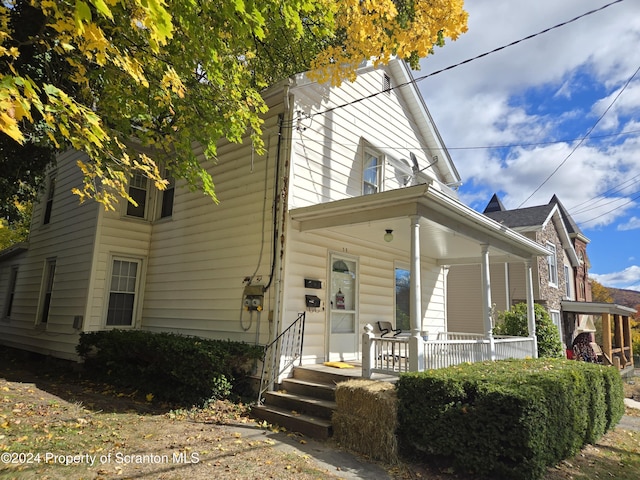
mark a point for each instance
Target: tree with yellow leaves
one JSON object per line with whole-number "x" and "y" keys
{"x": 133, "y": 83}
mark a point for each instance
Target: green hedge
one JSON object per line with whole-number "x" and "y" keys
{"x": 173, "y": 368}
{"x": 508, "y": 419}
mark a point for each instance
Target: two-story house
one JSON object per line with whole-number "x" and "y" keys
{"x": 354, "y": 195}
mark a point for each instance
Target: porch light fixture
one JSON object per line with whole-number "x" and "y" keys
{"x": 388, "y": 236}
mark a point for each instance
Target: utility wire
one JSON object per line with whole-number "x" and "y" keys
{"x": 488, "y": 147}
{"x": 615, "y": 189}
{"x": 464, "y": 62}
{"x": 612, "y": 210}
{"x": 582, "y": 139}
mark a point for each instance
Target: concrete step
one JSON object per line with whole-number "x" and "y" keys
{"x": 305, "y": 402}
{"x": 326, "y": 375}
{"x": 294, "y": 402}
{"x": 310, "y": 389}
{"x": 308, "y": 425}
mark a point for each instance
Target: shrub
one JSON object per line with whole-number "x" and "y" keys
{"x": 174, "y": 368}
{"x": 508, "y": 419}
{"x": 514, "y": 322}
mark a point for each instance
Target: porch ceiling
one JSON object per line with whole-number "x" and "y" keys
{"x": 450, "y": 232}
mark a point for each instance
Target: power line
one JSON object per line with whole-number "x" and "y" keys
{"x": 583, "y": 138}
{"x": 497, "y": 146}
{"x": 612, "y": 210}
{"x": 615, "y": 189}
{"x": 464, "y": 62}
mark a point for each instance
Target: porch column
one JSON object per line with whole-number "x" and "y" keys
{"x": 606, "y": 337}
{"x": 617, "y": 331}
{"x": 531, "y": 316}
{"x": 416, "y": 347}
{"x": 486, "y": 298}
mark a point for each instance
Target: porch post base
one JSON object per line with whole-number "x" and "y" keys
{"x": 416, "y": 353}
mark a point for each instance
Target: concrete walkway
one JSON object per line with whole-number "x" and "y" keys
{"x": 629, "y": 422}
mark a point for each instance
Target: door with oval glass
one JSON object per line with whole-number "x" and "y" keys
{"x": 343, "y": 311}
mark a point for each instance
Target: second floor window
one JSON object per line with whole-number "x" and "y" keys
{"x": 372, "y": 172}
{"x": 552, "y": 263}
{"x": 47, "y": 290}
{"x": 166, "y": 208}
{"x": 138, "y": 192}
{"x": 48, "y": 206}
{"x": 567, "y": 281}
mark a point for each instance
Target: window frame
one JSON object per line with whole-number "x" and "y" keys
{"x": 131, "y": 210}
{"x": 556, "y": 318}
{"x": 398, "y": 266}
{"x": 567, "y": 281}
{"x": 164, "y": 197}
{"x": 369, "y": 153}
{"x": 11, "y": 292}
{"x": 48, "y": 204}
{"x": 136, "y": 291}
{"x": 552, "y": 265}
{"x": 46, "y": 291}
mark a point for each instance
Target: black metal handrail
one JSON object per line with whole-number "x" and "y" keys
{"x": 281, "y": 353}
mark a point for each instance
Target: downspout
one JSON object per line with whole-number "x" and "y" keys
{"x": 280, "y": 215}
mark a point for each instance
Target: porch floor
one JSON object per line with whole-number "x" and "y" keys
{"x": 349, "y": 373}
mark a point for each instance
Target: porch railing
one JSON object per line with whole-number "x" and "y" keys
{"x": 281, "y": 354}
{"x": 514, "y": 347}
{"x": 390, "y": 356}
{"x": 446, "y": 353}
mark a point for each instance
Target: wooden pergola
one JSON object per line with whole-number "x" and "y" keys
{"x": 617, "y": 348}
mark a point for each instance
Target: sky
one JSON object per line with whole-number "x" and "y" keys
{"x": 515, "y": 121}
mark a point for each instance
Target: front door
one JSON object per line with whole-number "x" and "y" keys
{"x": 343, "y": 309}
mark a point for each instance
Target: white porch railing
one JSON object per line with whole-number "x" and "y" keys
{"x": 514, "y": 347}
{"x": 390, "y": 355}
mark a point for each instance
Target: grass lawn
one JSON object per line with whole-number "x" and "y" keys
{"x": 54, "y": 424}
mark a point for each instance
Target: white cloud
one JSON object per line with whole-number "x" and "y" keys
{"x": 629, "y": 278}
{"x": 632, "y": 224}
{"x": 480, "y": 103}
{"x": 551, "y": 87}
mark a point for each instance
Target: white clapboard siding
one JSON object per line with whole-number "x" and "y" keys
{"x": 308, "y": 257}
{"x": 329, "y": 146}
{"x": 69, "y": 239}
{"x": 199, "y": 258}
{"x": 464, "y": 312}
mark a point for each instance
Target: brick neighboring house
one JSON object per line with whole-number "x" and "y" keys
{"x": 561, "y": 281}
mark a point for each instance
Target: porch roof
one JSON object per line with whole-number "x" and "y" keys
{"x": 596, "y": 308}
{"x": 14, "y": 250}
{"x": 450, "y": 232}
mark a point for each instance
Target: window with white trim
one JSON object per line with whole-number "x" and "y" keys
{"x": 403, "y": 309}
{"x": 123, "y": 292}
{"x": 47, "y": 290}
{"x": 552, "y": 263}
{"x": 567, "y": 281}
{"x": 372, "y": 172}
{"x": 138, "y": 187}
{"x": 555, "y": 318}
{"x": 166, "y": 198}
{"x": 48, "y": 206}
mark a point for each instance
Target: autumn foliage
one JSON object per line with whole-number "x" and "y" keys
{"x": 133, "y": 83}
